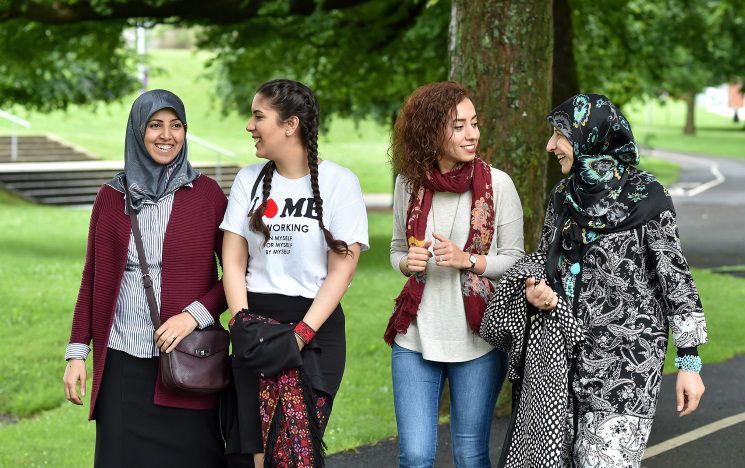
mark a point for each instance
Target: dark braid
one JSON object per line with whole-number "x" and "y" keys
{"x": 256, "y": 222}
{"x": 291, "y": 98}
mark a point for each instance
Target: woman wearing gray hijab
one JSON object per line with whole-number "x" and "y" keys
{"x": 139, "y": 422}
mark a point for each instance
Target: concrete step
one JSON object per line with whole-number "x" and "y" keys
{"x": 61, "y": 184}
{"x": 61, "y": 192}
{"x": 67, "y": 200}
{"x": 37, "y": 148}
{"x": 58, "y": 176}
{"x": 48, "y": 157}
{"x": 26, "y": 138}
{"x": 72, "y": 184}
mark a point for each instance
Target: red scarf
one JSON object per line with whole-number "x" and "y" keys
{"x": 476, "y": 177}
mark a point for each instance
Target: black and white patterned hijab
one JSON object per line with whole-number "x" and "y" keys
{"x": 604, "y": 193}
{"x": 147, "y": 180}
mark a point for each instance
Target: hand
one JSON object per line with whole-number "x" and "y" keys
{"x": 448, "y": 254}
{"x": 74, "y": 373}
{"x": 175, "y": 329}
{"x": 540, "y": 295}
{"x": 688, "y": 391}
{"x": 416, "y": 260}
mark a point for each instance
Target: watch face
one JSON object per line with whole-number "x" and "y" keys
{"x": 472, "y": 259}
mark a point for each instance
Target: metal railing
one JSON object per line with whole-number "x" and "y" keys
{"x": 13, "y": 135}
{"x": 219, "y": 151}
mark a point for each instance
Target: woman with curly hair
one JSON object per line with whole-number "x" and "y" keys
{"x": 294, "y": 230}
{"x": 458, "y": 225}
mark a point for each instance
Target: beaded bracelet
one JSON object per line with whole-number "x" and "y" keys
{"x": 304, "y": 332}
{"x": 689, "y": 363}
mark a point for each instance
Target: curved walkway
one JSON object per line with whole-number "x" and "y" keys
{"x": 710, "y": 203}
{"x": 711, "y": 221}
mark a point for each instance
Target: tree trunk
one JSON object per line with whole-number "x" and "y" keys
{"x": 690, "y": 128}
{"x": 565, "y": 84}
{"x": 501, "y": 51}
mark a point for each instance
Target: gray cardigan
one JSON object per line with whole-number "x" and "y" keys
{"x": 440, "y": 331}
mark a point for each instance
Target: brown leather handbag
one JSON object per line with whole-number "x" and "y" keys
{"x": 199, "y": 364}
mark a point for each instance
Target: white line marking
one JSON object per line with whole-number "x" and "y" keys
{"x": 677, "y": 157}
{"x": 718, "y": 179}
{"x": 693, "y": 435}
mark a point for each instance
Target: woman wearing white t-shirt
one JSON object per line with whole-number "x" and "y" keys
{"x": 294, "y": 230}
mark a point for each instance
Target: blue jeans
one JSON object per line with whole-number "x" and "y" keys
{"x": 417, "y": 389}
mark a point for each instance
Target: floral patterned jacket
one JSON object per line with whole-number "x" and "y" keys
{"x": 632, "y": 286}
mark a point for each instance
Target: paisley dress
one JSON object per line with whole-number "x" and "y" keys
{"x": 613, "y": 251}
{"x": 632, "y": 287}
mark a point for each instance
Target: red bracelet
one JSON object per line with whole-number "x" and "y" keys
{"x": 304, "y": 331}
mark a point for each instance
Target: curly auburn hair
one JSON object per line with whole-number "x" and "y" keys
{"x": 421, "y": 129}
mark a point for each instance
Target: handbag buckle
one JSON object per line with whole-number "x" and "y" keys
{"x": 203, "y": 352}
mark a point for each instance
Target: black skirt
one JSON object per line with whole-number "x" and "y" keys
{"x": 240, "y": 408}
{"x": 131, "y": 431}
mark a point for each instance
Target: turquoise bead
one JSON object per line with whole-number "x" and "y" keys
{"x": 574, "y": 269}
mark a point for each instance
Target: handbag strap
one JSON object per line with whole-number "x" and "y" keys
{"x": 147, "y": 280}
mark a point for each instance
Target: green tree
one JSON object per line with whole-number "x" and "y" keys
{"x": 52, "y": 66}
{"x": 362, "y": 61}
{"x": 362, "y": 58}
{"x": 633, "y": 48}
{"x": 502, "y": 51}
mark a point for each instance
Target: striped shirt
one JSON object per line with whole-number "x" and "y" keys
{"x": 132, "y": 331}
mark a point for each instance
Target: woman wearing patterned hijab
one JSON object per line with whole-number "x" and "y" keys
{"x": 140, "y": 422}
{"x": 613, "y": 254}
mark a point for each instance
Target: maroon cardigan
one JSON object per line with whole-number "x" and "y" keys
{"x": 189, "y": 273}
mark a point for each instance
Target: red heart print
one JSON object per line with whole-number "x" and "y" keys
{"x": 271, "y": 209}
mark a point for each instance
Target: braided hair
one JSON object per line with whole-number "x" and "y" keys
{"x": 292, "y": 98}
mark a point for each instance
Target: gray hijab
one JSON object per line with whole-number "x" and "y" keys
{"x": 147, "y": 180}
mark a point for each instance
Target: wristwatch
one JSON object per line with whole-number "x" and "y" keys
{"x": 472, "y": 259}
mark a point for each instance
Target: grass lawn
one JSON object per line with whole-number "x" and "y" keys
{"x": 39, "y": 276}
{"x": 661, "y": 126}
{"x": 665, "y": 171}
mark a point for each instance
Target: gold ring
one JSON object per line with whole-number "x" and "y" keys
{"x": 173, "y": 337}
{"x": 546, "y": 303}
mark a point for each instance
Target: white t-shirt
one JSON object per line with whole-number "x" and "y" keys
{"x": 294, "y": 261}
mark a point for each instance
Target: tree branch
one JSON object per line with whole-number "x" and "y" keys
{"x": 195, "y": 11}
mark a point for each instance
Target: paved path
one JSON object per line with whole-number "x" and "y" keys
{"x": 724, "y": 448}
{"x": 712, "y": 223}
{"x": 710, "y": 204}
